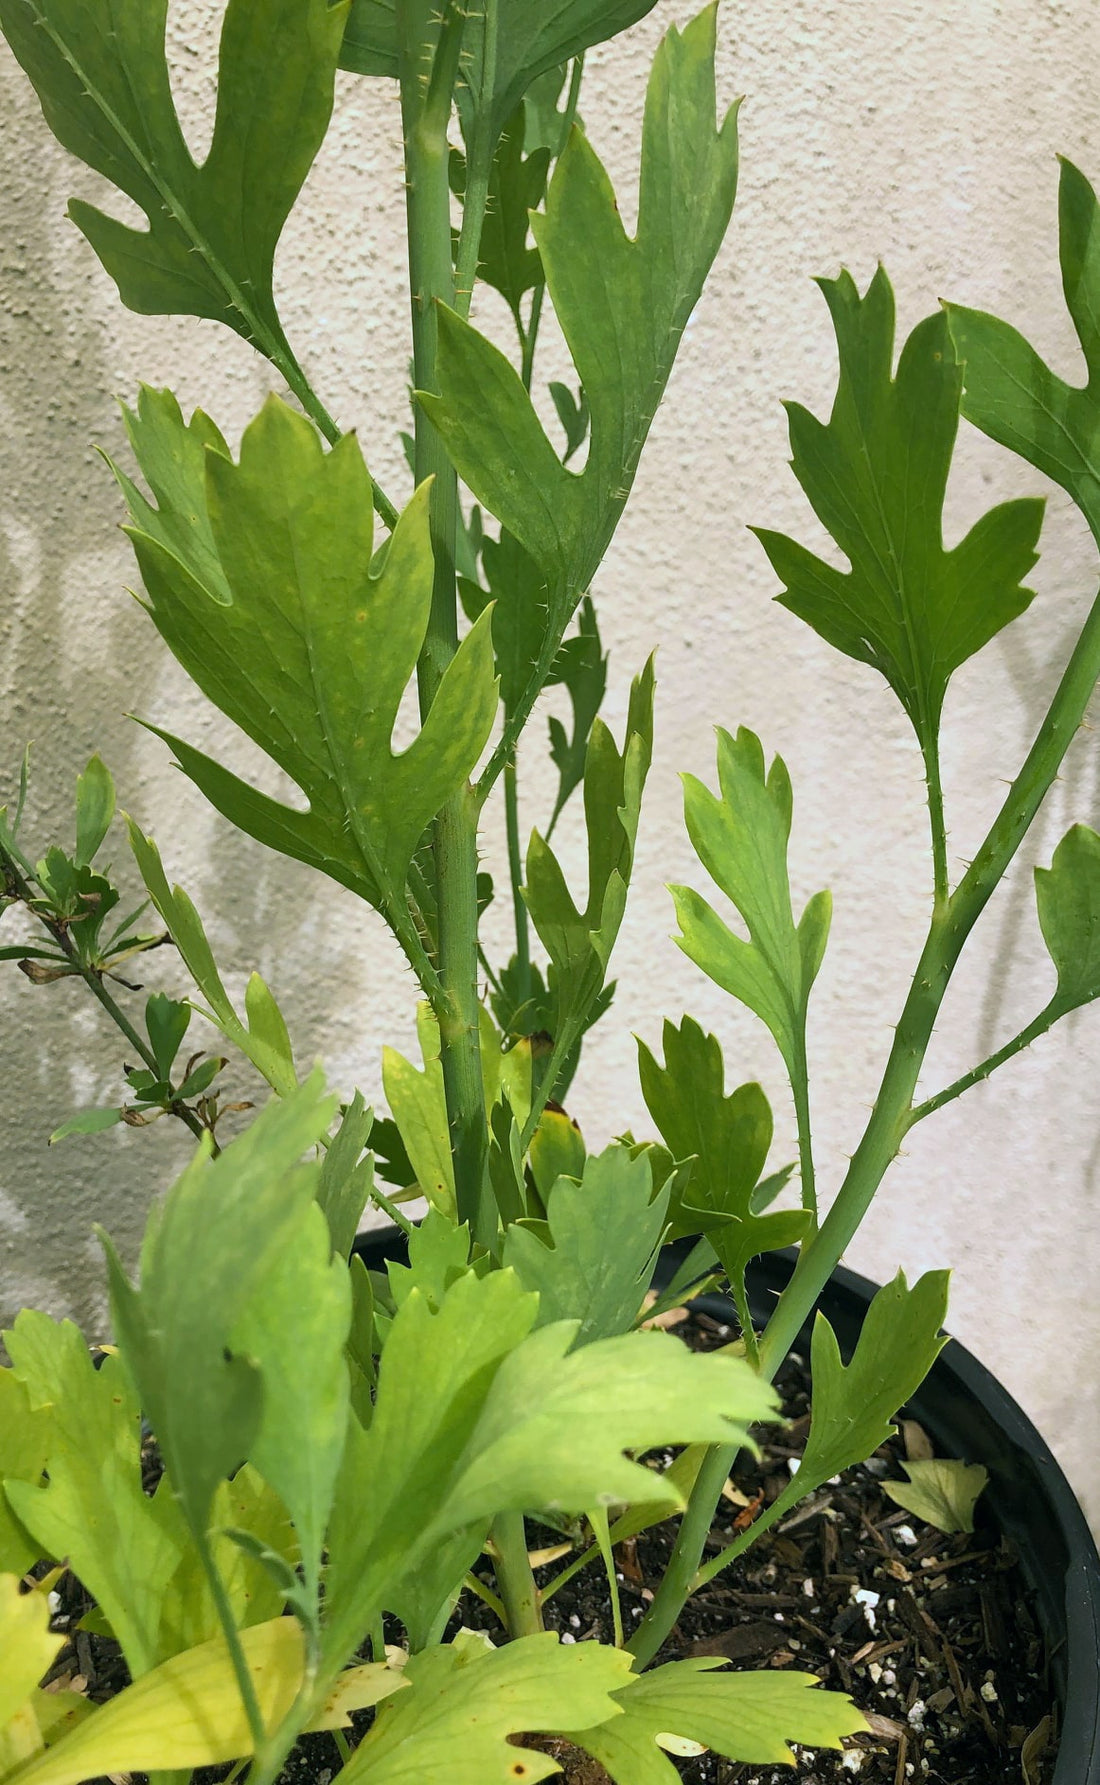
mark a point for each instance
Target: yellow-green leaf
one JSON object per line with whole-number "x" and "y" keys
{"x": 26, "y": 1646}
{"x": 188, "y": 1711}
{"x": 744, "y": 1716}
{"x": 466, "y": 1699}
{"x": 24, "y": 1437}
{"x": 941, "y": 1490}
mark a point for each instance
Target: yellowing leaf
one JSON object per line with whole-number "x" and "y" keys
{"x": 223, "y": 1227}
{"x": 122, "y": 1544}
{"x": 23, "y": 1443}
{"x": 26, "y": 1646}
{"x": 420, "y": 1110}
{"x": 188, "y": 1711}
{"x": 941, "y": 1490}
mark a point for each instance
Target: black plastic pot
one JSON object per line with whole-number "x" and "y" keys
{"x": 965, "y": 1412}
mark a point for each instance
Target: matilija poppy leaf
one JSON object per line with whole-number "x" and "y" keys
{"x": 260, "y": 580}
{"x": 623, "y": 304}
{"x": 101, "y": 74}
{"x": 1011, "y": 393}
{"x": 531, "y": 37}
{"x": 744, "y": 1716}
{"x": 26, "y": 1647}
{"x": 876, "y": 475}
{"x": 740, "y": 835}
{"x": 188, "y": 1711}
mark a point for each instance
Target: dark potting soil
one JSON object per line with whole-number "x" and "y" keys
{"x": 934, "y": 1637}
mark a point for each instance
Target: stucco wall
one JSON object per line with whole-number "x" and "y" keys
{"x": 922, "y": 136}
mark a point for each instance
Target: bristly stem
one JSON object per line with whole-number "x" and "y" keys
{"x": 318, "y": 414}
{"x": 515, "y": 871}
{"x": 800, "y": 1086}
{"x": 1038, "y": 1026}
{"x": 893, "y": 1113}
{"x": 934, "y": 783}
{"x": 427, "y": 83}
{"x": 94, "y": 982}
{"x": 479, "y": 164}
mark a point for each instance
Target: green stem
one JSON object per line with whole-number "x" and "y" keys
{"x": 515, "y": 721}
{"x": 800, "y": 1086}
{"x": 518, "y": 1592}
{"x": 740, "y": 1544}
{"x": 515, "y": 870}
{"x": 671, "y": 1595}
{"x": 245, "y": 1683}
{"x": 569, "y": 116}
{"x": 1039, "y": 1026}
{"x": 479, "y": 165}
{"x": 94, "y": 982}
{"x": 477, "y": 1587}
{"x": 893, "y": 1113}
{"x": 391, "y": 1209}
{"x": 529, "y": 335}
{"x": 598, "y": 1521}
{"x": 934, "y": 785}
{"x": 744, "y": 1315}
{"x": 425, "y": 117}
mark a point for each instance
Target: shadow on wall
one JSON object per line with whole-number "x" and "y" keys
{"x": 77, "y": 656}
{"x": 1075, "y": 798}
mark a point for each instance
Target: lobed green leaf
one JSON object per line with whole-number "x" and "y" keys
{"x": 533, "y": 36}
{"x": 1013, "y": 395}
{"x": 313, "y": 650}
{"x": 602, "y": 1236}
{"x": 262, "y": 1037}
{"x": 467, "y": 1698}
{"x": 747, "y": 1717}
{"x": 622, "y": 303}
{"x": 579, "y": 941}
{"x": 740, "y": 835}
{"x": 876, "y": 476}
{"x": 1068, "y": 897}
{"x": 101, "y": 75}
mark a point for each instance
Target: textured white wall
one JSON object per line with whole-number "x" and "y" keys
{"x": 921, "y": 136}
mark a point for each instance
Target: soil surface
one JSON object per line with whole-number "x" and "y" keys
{"x": 935, "y": 1638}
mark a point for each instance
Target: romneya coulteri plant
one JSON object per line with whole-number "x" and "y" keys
{"x": 338, "y": 1445}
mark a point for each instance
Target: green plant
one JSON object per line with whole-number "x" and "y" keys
{"x": 339, "y": 1445}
